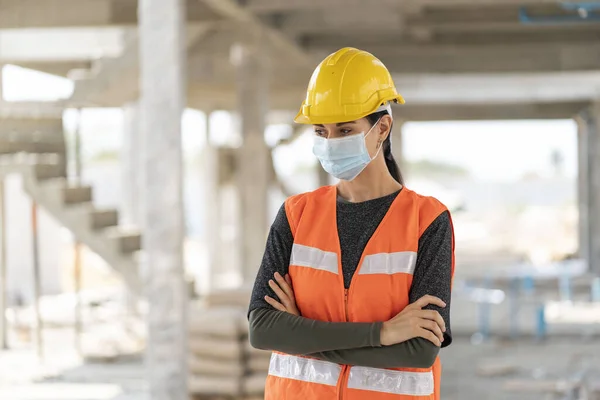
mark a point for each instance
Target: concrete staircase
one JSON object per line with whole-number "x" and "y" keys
{"x": 114, "y": 81}
{"x": 35, "y": 149}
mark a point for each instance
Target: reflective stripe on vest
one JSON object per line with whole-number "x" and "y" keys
{"x": 311, "y": 257}
{"x": 304, "y": 369}
{"x": 364, "y": 378}
{"x": 389, "y": 263}
{"x": 382, "y": 263}
{"x": 390, "y": 381}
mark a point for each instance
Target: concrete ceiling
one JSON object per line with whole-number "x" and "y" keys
{"x": 439, "y": 51}
{"x": 24, "y": 14}
{"x": 59, "y": 45}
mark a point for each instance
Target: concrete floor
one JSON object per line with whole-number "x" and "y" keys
{"x": 523, "y": 360}
{"x": 65, "y": 377}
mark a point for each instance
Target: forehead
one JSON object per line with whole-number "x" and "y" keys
{"x": 341, "y": 124}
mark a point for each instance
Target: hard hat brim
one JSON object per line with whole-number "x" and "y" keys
{"x": 336, "y": 119}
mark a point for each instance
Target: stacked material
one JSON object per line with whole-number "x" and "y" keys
{"x": 221, "y": 360}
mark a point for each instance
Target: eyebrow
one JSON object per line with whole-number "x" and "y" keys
{"x": 338, "y": 124}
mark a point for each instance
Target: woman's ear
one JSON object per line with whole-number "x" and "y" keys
{"x": 385, "y": 125}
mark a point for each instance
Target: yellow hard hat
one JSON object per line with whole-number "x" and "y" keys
{"x": 348, "y": 85}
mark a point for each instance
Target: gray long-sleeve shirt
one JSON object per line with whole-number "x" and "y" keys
{"x": 347, "y": 342}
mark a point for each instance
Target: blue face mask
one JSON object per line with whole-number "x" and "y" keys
{"x": 346, "y": 157}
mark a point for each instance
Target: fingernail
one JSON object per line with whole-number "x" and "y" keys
{"x": 271, "y": 282}
{"x": 277, "y": 275}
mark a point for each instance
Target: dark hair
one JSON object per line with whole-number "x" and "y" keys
{"x": 390, "y": 161}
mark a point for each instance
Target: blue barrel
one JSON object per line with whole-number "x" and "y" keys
{"x": 596, "y": 289}
{"x": 565, "y": 287}
{"x": 541, "y": 326}
{"x": 514, "y": 305}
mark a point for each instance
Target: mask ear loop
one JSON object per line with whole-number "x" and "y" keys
{"x": 373, "y": 127}
{"x": 385, "y": 107}
{"x": 380, "y": 142}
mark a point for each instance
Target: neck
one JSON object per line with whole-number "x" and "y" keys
{"x": 374, "y": 182}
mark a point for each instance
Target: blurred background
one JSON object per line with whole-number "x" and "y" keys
{"x": 109, "y": 109}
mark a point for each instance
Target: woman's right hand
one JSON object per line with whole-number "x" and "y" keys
{"x": 413, "y": 322}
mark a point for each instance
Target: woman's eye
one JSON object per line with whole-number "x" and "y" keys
{"x": 346, "y": 131}
{"x": 319, "y": 132}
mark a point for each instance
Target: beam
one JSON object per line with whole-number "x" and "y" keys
{"x": 499, "y": 111}
{"x": 66, "y": 45}
{"x": 483, "y": 3}
{"x": 526, "y": 57}
{"x": 232, "y": 11}
{"x": 499, "y": 88}
{"x": 19, "y": 14}
{"x": 334, "y": 21}
{"x": 53, "y": 13}
{"x": 272, "y": 6}
{"x": 60, "y": 68}
{"x": 317, "y": 22}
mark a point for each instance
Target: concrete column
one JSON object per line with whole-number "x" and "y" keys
{"x": 397, "y": 148}
{"x": 3, "y": 266}
{"x": 252, "y": 168}
{"x": 589, "y": 134}
{"x": 162, "y": 101}
{"x": 131, "y": 164}
{"x": 583, "y": 185}
{"x": 1, "y": 81}
{"x": 212, "y": 209}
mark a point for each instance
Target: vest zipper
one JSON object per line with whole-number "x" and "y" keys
{"x": 345, "y": 368}
{"x": 346, "y": 304}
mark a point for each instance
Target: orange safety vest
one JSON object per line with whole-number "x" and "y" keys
{"x": 379, "y": 290}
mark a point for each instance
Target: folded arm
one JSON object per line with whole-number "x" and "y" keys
{"x": 291, "y": 334}
{"x": 339, "y": 342}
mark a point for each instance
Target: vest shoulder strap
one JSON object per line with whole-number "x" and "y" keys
{"x": 295, "y": 205}
{"x": 429, "y": 209}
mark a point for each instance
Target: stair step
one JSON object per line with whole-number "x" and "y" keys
{"x": 131, "y": 242}
{"x": 104, "y": 218}
{"x": 48, "y": 171}
{"x": 77, "y": 194}
{"x": 31, "y": 147}
{"x": 128, "y": 241}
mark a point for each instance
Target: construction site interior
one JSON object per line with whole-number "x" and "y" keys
{"x": 147, "y": 145}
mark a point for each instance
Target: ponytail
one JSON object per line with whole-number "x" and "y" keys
{"x": 390, "y": 161}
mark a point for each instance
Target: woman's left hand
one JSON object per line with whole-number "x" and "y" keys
{"x": 283, "y": 289}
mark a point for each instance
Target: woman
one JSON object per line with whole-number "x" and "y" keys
{"x": 353, "y": 293}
